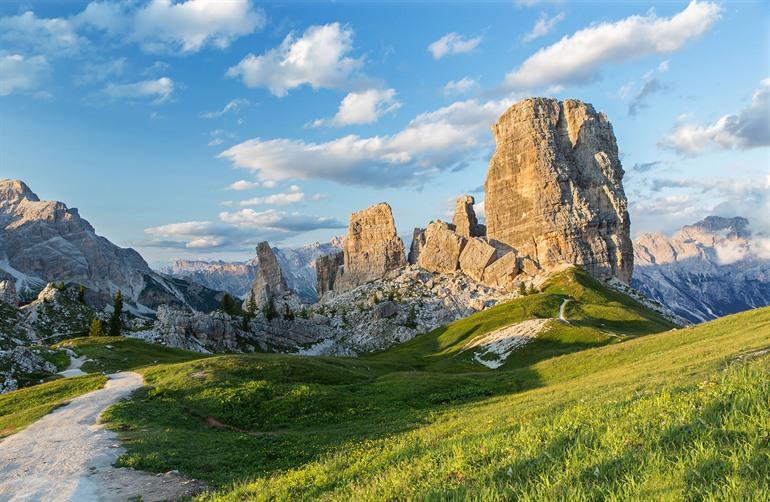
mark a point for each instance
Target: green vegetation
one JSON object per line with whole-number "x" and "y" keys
{"x": 112, "y": 354}
{"x": 116, "y": 323}
{"x": 677, "y": 415}
{"x": 22, "y": 407}
{"x": 59, "y": 358}
{"x": 96, "y": 329}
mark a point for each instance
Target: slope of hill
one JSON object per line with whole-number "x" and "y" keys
{"x": 424, "y": 421}
{"x": 706, "y": 270}
{"x": 45, "y": 241}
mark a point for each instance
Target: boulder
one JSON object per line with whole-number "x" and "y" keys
{"x": 384, "y": 310}
{"x": 464, "y": 219}
{"x": 554, "y": 188}
{"x": 372, "y": 247}
{"x": 501, "y": 273}
{"x": 475, "y": 257}
{"x": 442, "y": 249}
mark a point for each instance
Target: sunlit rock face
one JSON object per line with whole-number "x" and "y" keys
{"x": 554, "y": 188}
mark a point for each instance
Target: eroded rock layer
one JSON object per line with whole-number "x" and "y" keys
{"x": 554, "y": 188}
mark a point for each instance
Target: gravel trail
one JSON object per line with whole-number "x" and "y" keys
{"x": 67, "y": 456}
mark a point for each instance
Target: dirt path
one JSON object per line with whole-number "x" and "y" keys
{"x": 76, "y": 362}
{"x": 67, "y": 456}
{"x": 562, "y": 307}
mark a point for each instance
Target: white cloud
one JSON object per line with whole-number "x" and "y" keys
{"x": 443, "y": 139}
{"x": 21, "y": 74}
{"x": 453, "y": 43}
{"x": 461, "y": 86}
{"x": 241, "y": 185}
{"x": 278, "y": 220}
{"x": 232, "y": 106}
{"x": 319, "y": 58}
{"x": 749, "y": 129}
{"x": 578, "y": 58}
{"x": 158, "y": 90}
{"x": 184, "y": 228}
{"x": 363, "y": 107}
{"x": 543, "y": 26}
{"x": 166, "y": 26}
{"x": 53, "y": 36}
{"x": 276, "y": 199}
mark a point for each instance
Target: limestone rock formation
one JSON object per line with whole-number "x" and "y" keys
{"x": 269, "y": 281}
{"x": 502, "y": 272}
{"x": 464, "y": 219}
{"x": 326, "y": 271}
{"x": 553, "y": 190}
{"x": 476, "y": 256}
{"x": 418, "y": 242}
{"x": 442, "y": 248}
{"x": 372, "y": 247}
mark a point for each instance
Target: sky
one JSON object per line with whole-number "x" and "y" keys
{"x": 197, "y": 128}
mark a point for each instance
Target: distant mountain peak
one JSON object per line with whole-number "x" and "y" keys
{"x": 736, "y": 226}
{"x": 14, "y": 191}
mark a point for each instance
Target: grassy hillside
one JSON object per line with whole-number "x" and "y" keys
{"x": 679, "y": 414}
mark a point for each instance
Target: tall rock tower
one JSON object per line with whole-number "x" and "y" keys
{"x": 554, "y": 188}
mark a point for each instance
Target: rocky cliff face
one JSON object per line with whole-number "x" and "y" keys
{"x": 554, "y": 188}
{"x": 269, "y": 282}
{"x": 464, "y": 219}
{"x": 712, "y": 268}
{"x": 372, "y": 248}
{"x": 326, "y": 271}
{"x": 297, "y": 265}
{"x": 45, "y": 241}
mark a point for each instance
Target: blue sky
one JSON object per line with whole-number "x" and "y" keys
{"x": 145, "y": 114}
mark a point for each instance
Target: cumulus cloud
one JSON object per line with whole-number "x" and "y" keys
{"x": 652, "y": 85}
{"x": 443, "y": 139}
{"x": 278, "y": 220}
{"x": 320, "y": 58}
{"x": 165, "y": 26}
{"x": 156, "y": 90}
{"x": 53, "y": 36}
{"x": 241, "y": 185}
{"x": 293, "y": 196}
{"x": 100, "y": 71}
{"x": 543, "y": 26}
{"x": 232, "y": 106}
{"x": 643, "y": 167}
{"x": 748, "y": 129}
{"x": 236, "y": 230}
{"x": 362, "y": 108}
{"x": 461, "y": 86}
{"x": 453, "y": 43}
{"x": 578, "y": 58}
{"x": 20, "y": 74}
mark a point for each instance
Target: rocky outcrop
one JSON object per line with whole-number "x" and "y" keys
{"x": 476, "y": 256}
{"x": 418, "y": 242}
{"x": 442, "y": 250}
{"x": 22, "y": 366}
{"x": 185, "y": 329}
{"x": 372, "y": 248}
{"x": 554, "y": 188}
{"x": 269, "y": 282}
{"x": 501, "y": 273}
{"x": 326, "y": 271}
{"x": 45, "y": 241}
{"x": 712, "y": 268}
{"x": 464, "y": 219}
{"x": 8, "y": 293}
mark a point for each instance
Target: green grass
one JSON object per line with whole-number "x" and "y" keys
{"x": 22, "y": 407}
{"x": 111, "y": 354}
{"x": 681, "y": 414}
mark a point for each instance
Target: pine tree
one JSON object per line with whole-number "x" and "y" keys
{"x": 116, "y": 325}
{"x": 287, "y": 313}
{"x": 522, "y": 289}
{"x": 532, "y": 290}
{"x": 96, "y": 329}
{"x": 269, "y": 309}
{"x": 82, "y": 294}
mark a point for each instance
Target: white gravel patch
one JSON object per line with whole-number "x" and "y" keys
{"x": 493, "y": 349}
